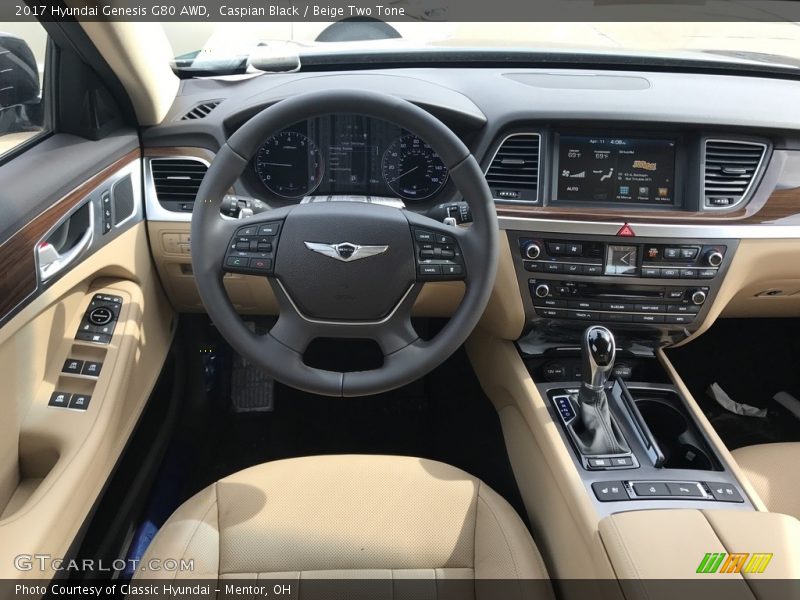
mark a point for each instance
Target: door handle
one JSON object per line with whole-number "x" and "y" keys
{"x": 52, "y": 260}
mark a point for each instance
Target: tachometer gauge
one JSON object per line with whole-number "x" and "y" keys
{"x": 289, "y": 164}
{"x": 412, "y": 169}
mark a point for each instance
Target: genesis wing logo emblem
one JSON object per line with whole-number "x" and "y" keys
{"x": 346, "y": 252}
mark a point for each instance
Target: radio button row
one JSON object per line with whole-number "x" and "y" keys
{"x": 618, "y": 306}
{"x": 586, "y": 304}
{"x": 651, "y": 272}
{"x": 650, "y": 308}
{"x": 648, "y": 318}
{"x": 678, "y": 319}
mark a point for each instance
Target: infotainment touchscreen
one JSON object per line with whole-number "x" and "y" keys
{"x": 601, "y": 169}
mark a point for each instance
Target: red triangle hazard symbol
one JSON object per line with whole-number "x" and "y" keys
{"x": 626, "y": 231}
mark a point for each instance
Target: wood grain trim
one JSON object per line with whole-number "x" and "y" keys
{"x": 18, "y": 278}
{"x": 775, "y": 201}
{"x": 781, "y": 207}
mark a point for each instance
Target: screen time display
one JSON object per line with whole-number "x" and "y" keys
{"x": 609, "y": 169}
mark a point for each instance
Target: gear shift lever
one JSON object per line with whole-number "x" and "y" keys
{"x": 598, "y": 350}
{"x": 596, "y": 432}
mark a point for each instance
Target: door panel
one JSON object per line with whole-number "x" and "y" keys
{"x": 55, "y": 459}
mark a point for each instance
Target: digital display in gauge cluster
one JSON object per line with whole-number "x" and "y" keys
{"x": 349, "y": 155}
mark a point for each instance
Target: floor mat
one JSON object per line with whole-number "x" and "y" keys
{"x": 752, "y": 360}
{"x": 444, "y": 417}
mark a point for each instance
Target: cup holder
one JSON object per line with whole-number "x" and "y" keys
{"x": 677, "y": 436}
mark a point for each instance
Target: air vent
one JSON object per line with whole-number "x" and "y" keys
{"x": 201, "y": 111}
{"x": 176, "y": 181}
{"x": 513, "y": 175}
{"x": 730, "y": 169}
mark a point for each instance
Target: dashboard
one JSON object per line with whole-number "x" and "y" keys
{"x": 627, "y": 197}
{"x": 346, "y": 154}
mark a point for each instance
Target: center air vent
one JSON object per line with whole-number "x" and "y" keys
{"x": 730, "y": 169}
{"x": 201, "y": 111}
{"x": 176, "y": 181}
{"x": 513, "y": 175}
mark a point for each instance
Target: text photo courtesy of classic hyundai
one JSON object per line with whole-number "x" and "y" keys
{"x": 419, "y": 300}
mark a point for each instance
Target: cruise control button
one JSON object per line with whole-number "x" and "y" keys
{"x": 724, "y": 492}
{"x": 609, "y": 491}
{"x": 650, "y": 488}
{"x": 72, "y": 366}
{"x": 686, "y": 490}
{"x": 427, "y": 270}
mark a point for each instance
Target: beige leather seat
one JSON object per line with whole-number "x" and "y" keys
{"x": 385, "y": 517}
{"x": 773, "y": 471}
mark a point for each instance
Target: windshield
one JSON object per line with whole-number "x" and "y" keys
{"x": 200, "y": 44}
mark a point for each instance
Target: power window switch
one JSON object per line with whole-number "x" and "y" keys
{"x": 91, "y": 368}
{"x": 72, "y": 365}
{"x": 79, "y": 401}
{"x": 98, "y": 338}
{"x": 60, "y": 399}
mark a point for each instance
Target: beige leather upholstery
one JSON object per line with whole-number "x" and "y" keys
{"x": 773, "y": 472}
{"x": 349, "y": 516}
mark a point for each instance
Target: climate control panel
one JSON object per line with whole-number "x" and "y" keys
{"x": 622, "y": 258}
{"x": 667, "y": 283}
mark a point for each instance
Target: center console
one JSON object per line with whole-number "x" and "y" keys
{"x": 631, "y": 282}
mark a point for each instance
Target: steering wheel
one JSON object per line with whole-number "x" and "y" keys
{"x": 344, "y": 269}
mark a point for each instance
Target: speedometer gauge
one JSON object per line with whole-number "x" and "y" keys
{"x": 289, "y": 164}
{"x": 412, "y": 169}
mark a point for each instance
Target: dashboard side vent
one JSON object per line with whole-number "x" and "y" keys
{"x": 176, "y": 181}
{"x": 201, "y": 111}
{"x": 513, "y": 175}
{"x": 730, "y": 169}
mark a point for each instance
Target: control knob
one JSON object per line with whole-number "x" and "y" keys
{"x": 542, "y": 290}
{"x": 698, "y": 297}
{"x": 714, "y": 258}
{"x": 531, "y": 250}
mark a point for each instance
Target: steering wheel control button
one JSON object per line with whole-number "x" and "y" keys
{"x": 79, "y": 401}
{"x": 438, "y": 256}
{"x": 91, "y": 368}
{"x": 724, "y": 492}
{"x": 59, "y": 399}
{"x": 252, "y": 249}
{"x": 261, "y": 264}
{"x": 269, "y": 229}
{"x": 72, "y": 366}
{"x": 609, "y": 491}
{"x": 101, "y": 316}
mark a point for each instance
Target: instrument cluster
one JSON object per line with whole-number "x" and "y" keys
{"x": 349, "y": 155}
